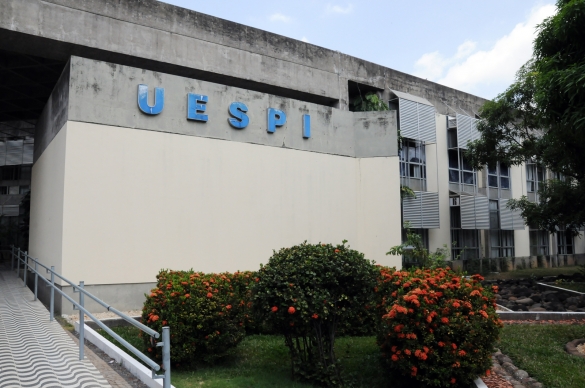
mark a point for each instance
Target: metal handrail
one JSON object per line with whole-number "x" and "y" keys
{"x": 22, "y": 256}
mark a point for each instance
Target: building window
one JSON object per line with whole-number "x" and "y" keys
{"x": 501, "y": 241}
{"x": 413, "y": 170}
{"x": 464, "y": 242}
{"x": 564, "y": 243}
{"x": 534, "y": 176}
{"x": 538, "y": 242}
{"x": 460, "y": 170}
{"x": 10, "y": 173}
{"x": 499, "y": 176}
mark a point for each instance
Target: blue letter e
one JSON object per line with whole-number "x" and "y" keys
{"x": 159, "y": 100}
{"x": 276, "y": 118}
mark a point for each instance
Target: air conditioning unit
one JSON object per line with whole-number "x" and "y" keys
{"x": 454, "y": 201}
{"x": 451, "y": 122}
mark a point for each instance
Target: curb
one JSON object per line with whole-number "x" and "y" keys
{"x": 136, "y": 368}
{"x": 539, "y": 315}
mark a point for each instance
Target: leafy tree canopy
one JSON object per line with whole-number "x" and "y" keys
{"x": 541, "y": 117}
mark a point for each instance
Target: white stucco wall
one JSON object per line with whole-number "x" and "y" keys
{"x": 47, "y": 196}
{"x": 438, "y": 181}
{"x": 137, "y": 201}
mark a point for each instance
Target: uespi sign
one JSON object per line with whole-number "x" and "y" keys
{"x": 196, "y": 108}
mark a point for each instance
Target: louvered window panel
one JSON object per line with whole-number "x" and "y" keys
{"x": 426, "y": 124}
{"x": 14, "y": 152}
{"x": 417, "y": 121}
{"x": 411, "y": 211}
{"x": 422, "y": 212}
{"x": 430, "y": 210}
{"x": 463, "y": 130}
{"x": 408, "y": 113}
{"x": 510, "y": 219}
{"x": 10, "y": 210}
{"x": 2, "y": 153}
{"x": 474, "y": 212}
{"x": 27, "y": 152}
{"x": 482, "y": 213}
{"x": 467, "y": 207}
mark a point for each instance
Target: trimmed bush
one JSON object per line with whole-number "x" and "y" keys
{"x": 436, "y": 327}
{"x": 206, "y": 313}
{"x": 305, "y": 293}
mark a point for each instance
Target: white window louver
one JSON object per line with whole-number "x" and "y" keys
{"x": 466, "y": 130}
{"x": 417, "y": 118}
{"x": 28, "y": 151}
{"x": 14, "y": 152}
{"x": 422, "y": 212}
{"x": 474, "y": 212}
{"x": 10, "y": 210}
{"x": 2, "y": 153}
{"x": 510, "y": 219}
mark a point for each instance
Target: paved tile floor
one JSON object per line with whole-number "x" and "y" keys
{"x": 35, "y": 352}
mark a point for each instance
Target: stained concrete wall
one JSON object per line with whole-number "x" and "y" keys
{"x": 157, "y": 36}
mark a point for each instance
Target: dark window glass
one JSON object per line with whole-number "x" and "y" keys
{"x": 453, "y": 159}
{"x": 492, "y": 180}
{"x": 454, "y": 176}
{"x": 504, "y": 183}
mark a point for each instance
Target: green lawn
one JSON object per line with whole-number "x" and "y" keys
{"x": 571, "y": 286}
{"x": 539, "y": 350}
{"x": 527, "y": 273}
{"x": 262, "y": 361}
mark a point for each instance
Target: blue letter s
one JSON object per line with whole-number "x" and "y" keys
{"x": 238, "y": 109}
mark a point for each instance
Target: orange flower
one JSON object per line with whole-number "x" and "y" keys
{"x": 152, "y": 294}
{"x": 291, "y": 310}
{"x": 488, "y": 372}
{"x": 164, "y": 323}
{"x": 453, "y": 345}
{"x": 187, "y": 296}
{"x": 413, "y": 371}
{"x": 445, "y": 320}
{"x": 394, "y": 357}
{"x": 456, "y": 305}
{"x": 393, "y": 348}
{"x": 453, "y": 380}
{"x": 274, "y": 309}
{"x": 154, "y": 318}
{"x": 209, "y": 295}
{"x": 337, "y": 251}
{"x": 398, "y": 328}
{"x": 315, "y": 316}
{"x": 462, "y": 353}
{"x": 229, "y": 306}
{"x": 407, "y": 352}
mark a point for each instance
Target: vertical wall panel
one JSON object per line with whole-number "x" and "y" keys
{"x": 467, "y": 208}
{"x": 422, "y": 212}
{"x": 510, "y": 219}
{"x": 482, "y": 213}
{"x": 14, "y": 152}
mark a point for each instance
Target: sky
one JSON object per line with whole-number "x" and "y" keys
{"x": 476, "y": 46}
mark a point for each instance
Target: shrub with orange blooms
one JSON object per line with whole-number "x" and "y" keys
{"x": 436, "y": 327}
{"x": 207, "y": 313}
{"x": 306, "y": 293}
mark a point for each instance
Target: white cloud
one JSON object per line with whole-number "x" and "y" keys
{"x": 278, "y": 17}
{"x": 472, "y": 70}
{"x": 339, "y": 9}
{"x": 304, "y": 39}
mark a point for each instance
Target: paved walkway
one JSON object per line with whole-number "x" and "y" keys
{"x": 35, "y": 352}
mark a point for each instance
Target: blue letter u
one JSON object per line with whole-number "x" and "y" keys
{"x": 159, "y": 100}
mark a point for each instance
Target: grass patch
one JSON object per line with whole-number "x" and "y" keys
{"x": 528, "y": 272}
{"x": 540, "y": 351}
{"x": 262, "y": 361}
{"x": 580, "y": 287}
{"x": 128, "y": 333}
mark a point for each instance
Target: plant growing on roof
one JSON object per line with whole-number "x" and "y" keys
{"x": 369, "y": 102}
{"x": 305, "y": 292}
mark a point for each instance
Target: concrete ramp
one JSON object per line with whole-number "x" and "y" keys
{"x": 37, "y": 352}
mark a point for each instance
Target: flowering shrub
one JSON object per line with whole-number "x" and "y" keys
{"x": 305, "y": 292}
{"x": 206, "y": 313}
{"x": 436, "y": 327}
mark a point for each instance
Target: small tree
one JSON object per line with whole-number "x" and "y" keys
{"x": 414, "y": 252}
{"x": 304, "y": 293}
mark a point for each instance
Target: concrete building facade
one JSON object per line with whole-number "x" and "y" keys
{"x": 166, "y": 138}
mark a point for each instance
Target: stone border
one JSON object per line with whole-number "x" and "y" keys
{"x": 571, "y": 347}
{"x": 539, "y": 315}
{"x": 136, "y": 368}
{"x": 503, "y": 366}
